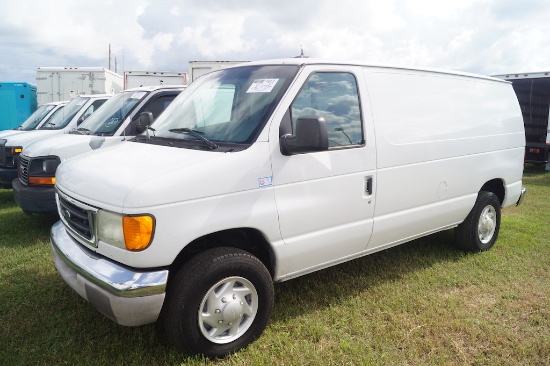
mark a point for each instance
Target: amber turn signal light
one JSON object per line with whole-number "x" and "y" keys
{"x": 138, "y": 231}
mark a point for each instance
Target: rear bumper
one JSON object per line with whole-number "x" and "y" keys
{"x": 521, "y": 196}
{"x": 127, "y": 296}
{"x": 34, "y": 199}
{"x": 7, "y": 175}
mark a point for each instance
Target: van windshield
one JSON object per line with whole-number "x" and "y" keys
{"x": 112, "y": 113}
{"x": 34, "y": 119}
{"x": 62, "y": 119}
{"x": 226, "y": 106}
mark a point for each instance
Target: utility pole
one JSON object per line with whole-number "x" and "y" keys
{"x": 109, "y": 56}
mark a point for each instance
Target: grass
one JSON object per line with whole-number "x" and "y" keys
{"x": 422, "y": 303}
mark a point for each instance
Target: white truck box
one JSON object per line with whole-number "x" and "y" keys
{"x": 136, "y": 79}
{"x": 33, "y": 191}
{"x": 64, "y": 83}
{"x": 270, "y": 170}
{"x": 68, "y": 118}
{"x": 199, "y": 68}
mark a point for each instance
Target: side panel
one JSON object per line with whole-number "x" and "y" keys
{"x": 325, "y": 199}
{"x": 440, "y": 138}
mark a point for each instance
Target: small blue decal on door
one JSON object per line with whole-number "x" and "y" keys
{"x": 265, "y": 182}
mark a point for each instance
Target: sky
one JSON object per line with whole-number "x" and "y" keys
{"x": 486, "y": 37}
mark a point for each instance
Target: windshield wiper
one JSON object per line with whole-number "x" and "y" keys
{"x": 197, "y": 134}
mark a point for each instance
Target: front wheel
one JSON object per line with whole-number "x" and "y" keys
{"x": 218, "y": 303}
{"x": 479, "y": 231}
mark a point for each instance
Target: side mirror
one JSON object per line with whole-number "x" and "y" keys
{"x": 145, "y": 119}
{"x": 311, "y": 135}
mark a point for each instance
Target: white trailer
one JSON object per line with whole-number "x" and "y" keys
{"x": 64, "y": 83}
{"x": 199, "y": 68}
{"x": 137, "y": 79}
{"x": 533, "y": 93}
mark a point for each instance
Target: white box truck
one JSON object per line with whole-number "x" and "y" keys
{"x": 270, "y": 170}
{"x": 138, "y": 79}
{"x": 199, "y": 68}
{"x": 533, "y": 92}
{"x": 64, "y": 83}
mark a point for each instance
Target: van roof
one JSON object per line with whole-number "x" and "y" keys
{"x": 317, "y": 61}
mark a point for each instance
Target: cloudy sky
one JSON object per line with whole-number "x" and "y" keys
{"x": 481, "y": 36}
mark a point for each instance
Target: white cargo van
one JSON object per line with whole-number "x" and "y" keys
{"x": 37, "y": 119}
{"x": 271, "y": 170}
{"x": 72, "y": 114}
{"x": 116, "y": 121}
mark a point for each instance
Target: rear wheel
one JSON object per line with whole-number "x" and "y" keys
{"x": 218, "y": 303}
{"x": 479, "y": 231}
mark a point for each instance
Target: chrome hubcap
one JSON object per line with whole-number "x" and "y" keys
{"x": 487, "y": 224}
{"x": 228, "y": 309}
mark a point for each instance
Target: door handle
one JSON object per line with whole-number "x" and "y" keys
{"x": 368, "y": 186}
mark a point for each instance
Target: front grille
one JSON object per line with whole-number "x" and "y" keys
{"x": 24, "y": 169}
{"x": 77, "y": 217}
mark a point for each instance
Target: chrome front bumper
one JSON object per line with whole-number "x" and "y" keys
{"x": 127, "y": 296}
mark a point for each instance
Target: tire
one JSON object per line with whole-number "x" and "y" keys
{"x": 479, "y": 231}
{"x": 226, "y": 286}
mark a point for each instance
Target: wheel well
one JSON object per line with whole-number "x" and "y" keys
{"x": 247, "y": 239}
{"x": 497, "y": 187}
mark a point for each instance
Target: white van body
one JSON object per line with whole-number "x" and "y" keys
{"x": 34, "y": 190}
{"x": 398, "y": 154}
{"x": 68, "y": 118}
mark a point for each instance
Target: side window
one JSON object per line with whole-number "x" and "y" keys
{"x": 92, "y": 108}
{"x": 333, "y": 96}
{"x": 158, "y": 105}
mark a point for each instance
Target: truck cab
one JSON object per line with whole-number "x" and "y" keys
{"x": 116, "y": 121}
{"x": 72, "y": 114}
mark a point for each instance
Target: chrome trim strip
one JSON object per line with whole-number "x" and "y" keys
{"x": 91, "y": 212}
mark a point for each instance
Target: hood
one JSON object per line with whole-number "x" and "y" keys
{"x": 136, "y": 175}
{"x": 26, "y": 137}
{"x": 67, "y": 146}
{"x": 6, "y": 133}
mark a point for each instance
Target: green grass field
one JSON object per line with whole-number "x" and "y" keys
{"x": 422, "y": 303}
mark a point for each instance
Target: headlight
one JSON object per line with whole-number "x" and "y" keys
{"x": 127, "y": 232}
{"x": 42, "y": 170}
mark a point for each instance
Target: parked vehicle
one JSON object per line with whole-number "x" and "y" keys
{"x": 17, "y": 103}
{"x": 199, "y": 68}
{"x": 74, "y": 113}
{"x": 533, "y": 93}
{"x": 33, "y": 190}
{"x": 136, "y": 79}
{"x": 37, "y": 119}
{"x": 271, "y": 170}
{"x": 64, "y": 83}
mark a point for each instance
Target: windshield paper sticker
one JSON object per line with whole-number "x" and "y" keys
{"x": 262, "y": 85}
{"x": 137, "y": 95}
{"x": 265, "y": 182}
